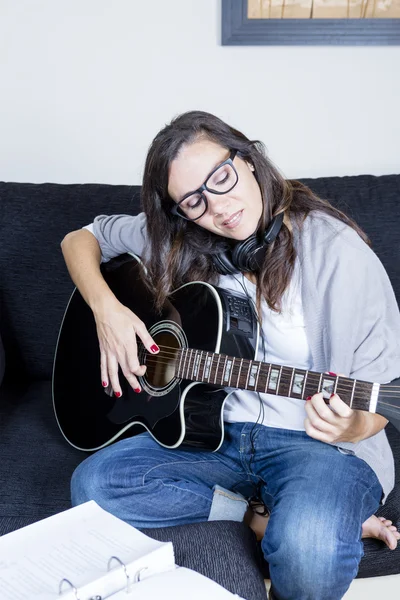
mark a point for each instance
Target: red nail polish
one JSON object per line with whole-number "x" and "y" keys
{"x": 154, "y": 348}
{"x": 104, "y": 383}
{"x": 334, "y": 374}
{"x": 308, "y": 397}
{"x": 331, "y": 396}
{"x": 137, "y": 390}
{"x": 118, "y": 394}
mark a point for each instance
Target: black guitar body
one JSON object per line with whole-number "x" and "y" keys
{"x": 173, "y": 410}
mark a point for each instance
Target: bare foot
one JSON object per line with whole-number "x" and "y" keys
{"x": 381, "y": 529}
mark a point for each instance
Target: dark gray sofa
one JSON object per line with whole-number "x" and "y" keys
{"x": 36, "y": 462}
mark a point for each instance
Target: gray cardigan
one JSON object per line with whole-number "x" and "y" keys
{"x": 351, "y": 314}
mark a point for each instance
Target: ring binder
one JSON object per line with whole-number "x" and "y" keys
{"x": 70, "y": 584}
{"x": 86, "y": 541}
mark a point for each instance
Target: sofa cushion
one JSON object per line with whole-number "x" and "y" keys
{"x": 36, "y": 463}
{"x": 2, "y": 361}
{"x": 225, "y": 551}
{"x": 2, "y": 355}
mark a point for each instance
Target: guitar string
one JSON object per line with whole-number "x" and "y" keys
{"x": 151, "y": 359}
{"x": 357, "y": 396}
{"x": 175, "y": 350}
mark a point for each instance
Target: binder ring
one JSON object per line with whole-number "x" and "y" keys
{"x": 137, "y": 576}
{"x": 128, "y": 583}
{"x": 70, "y": 584}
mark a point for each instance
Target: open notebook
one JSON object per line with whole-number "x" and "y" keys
{"x": 86, "y": 553}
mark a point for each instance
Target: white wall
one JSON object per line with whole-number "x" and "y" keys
{"x": 86, "y": 84}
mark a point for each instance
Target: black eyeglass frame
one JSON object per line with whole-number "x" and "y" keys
{"x": 175, "y": 208}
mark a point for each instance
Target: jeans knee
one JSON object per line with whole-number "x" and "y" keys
{"x": 85, "y": 483}
{"x": 92, "y": 479}
{"x": 102, "y": 475}
{"x": 308, "y": 559}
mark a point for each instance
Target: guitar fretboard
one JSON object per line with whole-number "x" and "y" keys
{"x": 257, "y": 376}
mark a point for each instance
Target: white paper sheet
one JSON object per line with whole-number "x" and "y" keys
{"x": 76, "y": 544}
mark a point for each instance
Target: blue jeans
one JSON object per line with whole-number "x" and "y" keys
{"x": 318, "y": 497}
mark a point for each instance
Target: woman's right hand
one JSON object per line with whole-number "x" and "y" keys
{"x": 117, "y": 328}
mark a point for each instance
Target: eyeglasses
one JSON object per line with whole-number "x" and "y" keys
{"x": 220, "y": 181}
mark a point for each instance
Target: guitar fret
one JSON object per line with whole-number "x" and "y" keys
{"x": 279, "y": 381}
{"x": 204, "y": 367}
{"x": 274, "y": 379}
{"x": 258, "y": 375}
{"x": 194, "y": 373}
{"x": 223, "y": 370}
{"x": 184, "y": 365}
{"x": 268, "y": 376}
{"x": 252, "y": 375}
{"x": 352, "y": 393}
{"x": 291, "y": 382}
{"x": 192, "y": 361}
{"x": 320, "y": 381}
{"x": 216, "y": 369}
{"x": 187, "y": 364}
{"x": 304, "y": 385}
{"x": 210, "y": 367}
{"x": 240, "y": 368}
{"x": 201, "y": 366}
{"x": 231, "y": 371}
{"x": 248, "y": 375}
{"x": 336, "y": 384}
{"x": 179, "y": 366}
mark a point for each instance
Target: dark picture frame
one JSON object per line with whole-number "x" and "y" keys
{"x": 239, "y": 30}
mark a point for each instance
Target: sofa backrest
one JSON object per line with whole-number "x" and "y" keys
{"x": 34, "y": 283}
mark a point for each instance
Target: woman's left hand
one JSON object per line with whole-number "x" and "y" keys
{"x": 335, "y": 422}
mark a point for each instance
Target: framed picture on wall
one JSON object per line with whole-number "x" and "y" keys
{"x": 310, "y": 22}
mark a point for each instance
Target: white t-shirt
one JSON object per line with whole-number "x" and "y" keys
{"x": 282, "y": 341}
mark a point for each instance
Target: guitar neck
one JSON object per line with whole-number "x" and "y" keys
{"x": 257, "y": 376}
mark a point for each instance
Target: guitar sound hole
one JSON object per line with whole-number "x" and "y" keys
{"x": 161, "y": 367}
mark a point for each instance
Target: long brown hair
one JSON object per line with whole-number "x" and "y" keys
{"x": 181, "y": 251}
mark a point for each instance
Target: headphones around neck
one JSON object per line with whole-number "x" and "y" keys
{"x": 248, "y": 255}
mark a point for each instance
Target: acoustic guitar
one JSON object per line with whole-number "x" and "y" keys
{"x": 207, "y": 336}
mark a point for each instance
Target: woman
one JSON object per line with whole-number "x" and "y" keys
{"x": 322, "y": 471}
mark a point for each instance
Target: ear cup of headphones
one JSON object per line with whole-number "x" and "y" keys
{"x": 245, "y": 254}
{"x": 248, "y": 255}
{"x": 223, "y": 264}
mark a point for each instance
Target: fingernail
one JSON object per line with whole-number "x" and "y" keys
{"x": 104, "y": 383}
{"x": 331, "y": 396}
{"x": 154, "y": 348}
{"x": 137, "y": 390}
{"x": 308, "y": 397}
{"x": 118, "y": 394}
{"x": 329, "y": 373}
